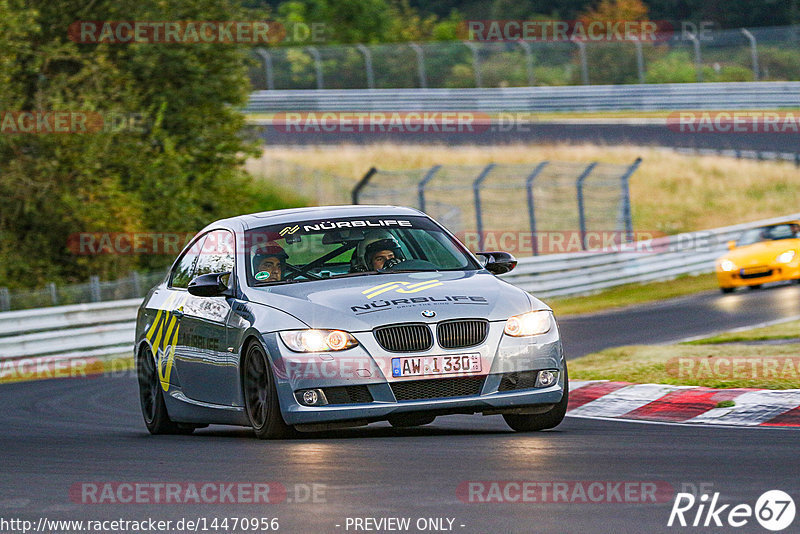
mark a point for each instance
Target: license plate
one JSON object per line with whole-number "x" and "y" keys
{"x": 436, "y": 365}
{"x": 754, "y": 271}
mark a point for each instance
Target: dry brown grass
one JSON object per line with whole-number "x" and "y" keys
{"x": 670, "y": 192}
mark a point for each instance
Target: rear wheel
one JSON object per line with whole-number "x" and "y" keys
{"x": 151, "y": 399}
{"x": 542, "y": 421}
{"x": 726, "y": 290}
{"x": 261, "y": 396}
{"x": 409, "y": 420}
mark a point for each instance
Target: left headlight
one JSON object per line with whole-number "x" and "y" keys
{"x": 529, "y": 324}
{"x": 727, "y": 265}
{"x": 318, "y": 340}
{"x": 786, "y": 257}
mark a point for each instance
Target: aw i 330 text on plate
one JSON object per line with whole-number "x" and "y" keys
{"x": 319, "y": 318}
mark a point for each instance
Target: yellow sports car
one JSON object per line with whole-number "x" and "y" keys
{"x": 761, "y": 255}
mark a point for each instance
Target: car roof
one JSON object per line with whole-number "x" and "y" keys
{"x": 285, "y": 216}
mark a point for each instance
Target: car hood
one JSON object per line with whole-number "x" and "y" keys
{"x": 761, "y": 253}
{"x": 364, "y": 302}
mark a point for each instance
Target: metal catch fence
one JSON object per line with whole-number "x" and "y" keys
{"x": 519, "y": 207}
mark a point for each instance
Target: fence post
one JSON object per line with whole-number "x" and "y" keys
{"x": 476, "y": 190}
{"x": 698, "y": 60}
{"x": 367, "y": 65}
{"x": 584, "y": 61}
{"x": 136, "y": 282}
{"x": 423, "y": 81}
{"x": 639, "y": 59}
{"x": 526, "y": 46}
{"x": 94, "y": 288}
{"x": 5, "y": 299}
{"x": 626, "y": 199}
{"x": 753, "y": 51}
{"x": 531, "y": 209}
{"x": 581, "y": 214}
{"x": 797, "y": 159}
{"x": 424, "y": 182}
{"x": 476, "y": 65}
{"x": 267, "y": 67}
{"x": 51, "y": 287}
{"x": 362, "y": 183}
{"x": 317, "y": 65}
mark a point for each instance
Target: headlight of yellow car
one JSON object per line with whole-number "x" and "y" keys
{"x": 529, "y": 324}
{"x": 786, "y": 257}
{"x": 727, "y": 265}
{"x": 318, "y": 340}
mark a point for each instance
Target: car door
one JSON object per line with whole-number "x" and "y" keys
{"x": 165, "y": 306}
{"x": 207, "y": 368}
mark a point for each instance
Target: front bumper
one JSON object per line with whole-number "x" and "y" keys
{"x": 367, "y": 368}
{"x": 758, "y": 275}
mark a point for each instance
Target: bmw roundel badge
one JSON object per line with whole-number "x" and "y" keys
{"x": 429, "y": 313}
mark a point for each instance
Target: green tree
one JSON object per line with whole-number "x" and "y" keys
{"x": 179, "y": 169}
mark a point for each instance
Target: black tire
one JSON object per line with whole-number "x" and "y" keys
{"x": 756, "y": 286}
{"x": 412, "y": 419}
{"x": 541, "y": 421}
{"x": 726, "y": 290}
{"x": 261, "y": 396}
{"x": 151, "y": 399}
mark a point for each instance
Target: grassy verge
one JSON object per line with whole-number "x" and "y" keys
{"x": 715, "y": 366}
{"x": 787, "y": 330}
{"x": 631, "y": 294}
{"x": 712, "y": 362}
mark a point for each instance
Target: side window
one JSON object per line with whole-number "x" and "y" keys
{"x": 185, "y": 269}
{"x": 216, "y": 254}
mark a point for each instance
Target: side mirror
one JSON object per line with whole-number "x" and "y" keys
{"x": 731, "y": 245}
{"x": 497, "y": 262}
{"x": 209, "y": 285}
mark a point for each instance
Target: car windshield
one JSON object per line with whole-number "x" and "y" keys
{"x": 328, "y": 248}
{"x": 769, "y": 233}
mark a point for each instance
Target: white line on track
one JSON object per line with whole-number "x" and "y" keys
{"x": 667, "y": 423}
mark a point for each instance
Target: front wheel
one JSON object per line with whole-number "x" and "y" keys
{"x": 726, "y": 290}
{"x": 151, "y": 398}
{"x": 261, "y": 396}
{"x": 542, "y": 421}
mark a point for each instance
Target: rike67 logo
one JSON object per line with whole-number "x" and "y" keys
{"x": 774, "y": 510}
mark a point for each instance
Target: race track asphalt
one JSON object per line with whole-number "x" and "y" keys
{"x": 60, "y": 434}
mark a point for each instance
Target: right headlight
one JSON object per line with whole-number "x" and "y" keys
{"x": 318, "y": 340}
{"x": 529, "y": 324}
{"x": 727, "y": 265}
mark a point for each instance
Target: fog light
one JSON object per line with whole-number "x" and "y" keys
{"x": 311, "y": 397}
{"x": 546, "y": 378}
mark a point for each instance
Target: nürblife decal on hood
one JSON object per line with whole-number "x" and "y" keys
{"x": 408, "y": 287}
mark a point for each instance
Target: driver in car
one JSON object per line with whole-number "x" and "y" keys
{"x": 378, "y": 251}
{"x": 269, "y": 261}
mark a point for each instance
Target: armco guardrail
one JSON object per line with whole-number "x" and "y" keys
{"x": 657, "y": 259}
{"x": 107, "y": 328}
{"x": 95, "y": 329}
{"x": 648, "y": 97}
